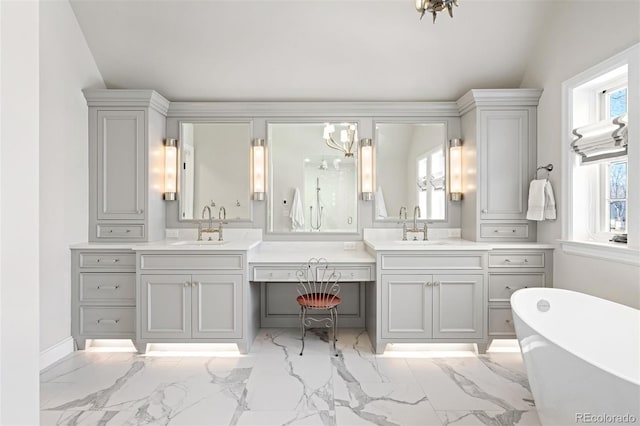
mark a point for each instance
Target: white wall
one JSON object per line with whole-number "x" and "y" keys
{"x": 66, "y": 67}
{"x": 563, "y": 51}
{"x": 19, "y": 381}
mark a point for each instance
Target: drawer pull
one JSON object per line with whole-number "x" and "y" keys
{"x": 507, "y": 287}
{"x": 102, "y": 287}
{"x": 497, "y": 231}
{"x": 108, "y": 321}
{"x": 524, "y": 262}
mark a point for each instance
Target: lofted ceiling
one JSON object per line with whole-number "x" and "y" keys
{"x": 308, "y": 50}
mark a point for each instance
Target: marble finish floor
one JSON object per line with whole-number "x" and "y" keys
{"x": 273, "y": 385}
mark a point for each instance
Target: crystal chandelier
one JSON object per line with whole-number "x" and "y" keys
{"x": 435, "y": 6}
{"x": 347, "y": 138}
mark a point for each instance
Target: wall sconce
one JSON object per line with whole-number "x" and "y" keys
{"x": 455, "y": 169}
{"x": 366, "y": 169}
{"x": 258, "y": 169}
{"x": 170, "y": 169}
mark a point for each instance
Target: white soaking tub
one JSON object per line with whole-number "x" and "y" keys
{"x": 582, "y": 355}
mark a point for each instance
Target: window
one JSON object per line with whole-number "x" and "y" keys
{"x": 600, "y": 177}
{"x": 613, "y": 204}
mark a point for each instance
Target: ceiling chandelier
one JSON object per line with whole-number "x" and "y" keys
{"x": 435, "y": 6}
{"x": 347, "y": 138}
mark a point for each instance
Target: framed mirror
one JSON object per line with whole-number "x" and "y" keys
{"x": 215, "y": 169}
{"x": 411, "y": 170}
{"x": 313, "y": 187}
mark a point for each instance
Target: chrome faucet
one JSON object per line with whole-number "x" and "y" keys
{"x": 404, "y": 222}
{"x": 416, "y": 215}
{"x": 210, "y": 229}
{"x": 222, "y": 216}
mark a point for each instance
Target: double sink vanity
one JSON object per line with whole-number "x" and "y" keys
{"x": 436, "y": 291}
{"x": 286, "y": 191}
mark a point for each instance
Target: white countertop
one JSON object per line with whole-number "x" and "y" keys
{"x": 431, "y": 245}
{"x": 301, "y": 251}
{"x": 174, "y": 245}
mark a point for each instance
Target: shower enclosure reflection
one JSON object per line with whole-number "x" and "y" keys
{"x": 313, "y": 187}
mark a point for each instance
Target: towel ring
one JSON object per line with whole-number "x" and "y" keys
{"x": 548, "y": 168}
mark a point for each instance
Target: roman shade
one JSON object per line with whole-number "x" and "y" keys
{"x": 602, "y": 140}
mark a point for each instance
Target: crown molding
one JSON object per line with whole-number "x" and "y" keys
{"x": 312, "y": 109}
{"x": 497, "y": 97}
{"x": 126, "y": 98}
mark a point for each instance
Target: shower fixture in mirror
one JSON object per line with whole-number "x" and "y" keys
{"x": 410, "y": 163}
{"x": 313, "y": 186}
{"x": 215, "y": 169}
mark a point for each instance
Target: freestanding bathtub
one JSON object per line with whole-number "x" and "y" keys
{"x": 582, "y": 355}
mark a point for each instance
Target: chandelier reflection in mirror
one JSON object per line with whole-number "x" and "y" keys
{"x": 435, "y": 6}
{"x": 347, "y": 138}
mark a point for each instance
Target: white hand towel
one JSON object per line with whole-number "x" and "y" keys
{"x": 536, "y": 199}
{"x": 549, "y": 201}
{"x": 381, "y": 206}
{"x": 296, "y": 214}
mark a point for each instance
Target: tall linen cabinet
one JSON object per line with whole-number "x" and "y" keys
{"x": 499, "y": 159}
{"x": 126, "y": 162}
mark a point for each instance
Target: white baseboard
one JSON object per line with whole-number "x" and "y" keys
{"x": 56, "y": 352}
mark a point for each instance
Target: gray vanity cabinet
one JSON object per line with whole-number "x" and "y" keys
{"x": 499, "y": 159}
{"x": 191, "y": 306}
{"x": 126, "y": 134}
{"x": 426, "y": 306}
{"x": 103, "y": 298}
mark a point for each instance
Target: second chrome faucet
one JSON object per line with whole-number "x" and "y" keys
{"x": 416, "y": 215}
{"x": 210, "y": 229}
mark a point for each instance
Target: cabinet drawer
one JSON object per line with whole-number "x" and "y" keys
{"x": 190, "y": 261}
{"x": 107, "y": 321}
{"x": 120, "y": 231}
{"x": 516, "y": 260}
{"x": 107, "y": 260}
{"x": 111, "y": 286}
{"x": 449, "y": 260}
{"x": 266, "y": 274}
{"x": 502, "y": 286}
{"x": 350, "y": 273}
{"x": 504, "y": 231}
{"x": 501, "y": 322}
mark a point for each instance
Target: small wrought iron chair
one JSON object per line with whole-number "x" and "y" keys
{"x": 318, "y": 290}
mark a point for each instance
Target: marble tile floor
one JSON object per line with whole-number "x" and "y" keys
{"x": 273, "y": 385}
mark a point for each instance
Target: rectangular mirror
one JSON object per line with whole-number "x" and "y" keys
{"x": 214, "y": 169}
{"x": 410, "y": 170}
{"x": 312, "y": 186}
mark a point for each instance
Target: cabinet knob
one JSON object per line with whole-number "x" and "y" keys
{"x": 116, "y": 260}
{"x": 437, "y": 283}
{"x": 139, "y": 211}
{"x": 485, "y": 211}
{"x": 195, "y": 284}
{"x": 187, "y": 284}
{"x": 428, "y": 284}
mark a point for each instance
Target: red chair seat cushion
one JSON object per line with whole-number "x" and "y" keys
{"x": 318, "y": 300}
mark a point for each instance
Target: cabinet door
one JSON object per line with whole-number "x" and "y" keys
{"x": 217, "y": 306}
{"x": 406, "y": 306}
{"x": 504, "y": 160}
{"x": 121, "y": 165}
{"x": 458, "y": 307}
{"x": 165, "y": 306}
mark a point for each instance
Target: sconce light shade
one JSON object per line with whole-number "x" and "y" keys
{"x": 258, "y": 169}
{"x": 455, "y": 169}
{"x": 366, "y": 169}
{"x": 170, "y": 169}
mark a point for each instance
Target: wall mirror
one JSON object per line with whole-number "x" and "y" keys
{"x": 410, "y": 170}
{"x": 214, "y": 169}
{"x": 312, "y": 187}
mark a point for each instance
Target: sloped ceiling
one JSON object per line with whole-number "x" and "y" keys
{"x": 309, "y": 49}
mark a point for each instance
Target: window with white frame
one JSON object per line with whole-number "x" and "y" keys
{"x": 600, "y": 178}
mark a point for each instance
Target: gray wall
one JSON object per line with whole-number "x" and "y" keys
{"x": 562, "y": 53}
{"x": 66, "y": 67}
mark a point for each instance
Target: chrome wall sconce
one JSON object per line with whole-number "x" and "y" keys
{"x": 258, "y": 178}
{"x": 170, "y": 169}
{"x": 455, "y": 169}
{"x": 366, "y": 169}
{"x": 348, "y": 137}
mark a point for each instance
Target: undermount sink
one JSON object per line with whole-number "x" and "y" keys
{"x": 421, "y": 242}
{"x": 200, "y": 243}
